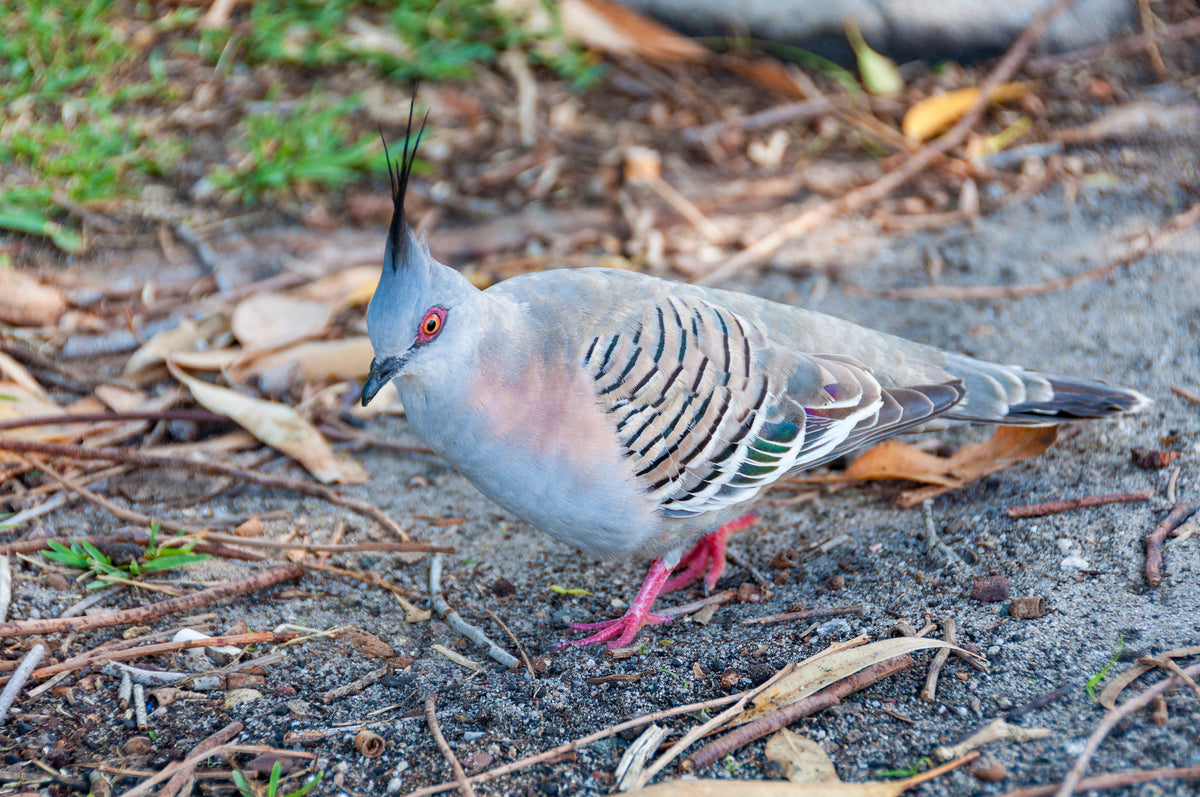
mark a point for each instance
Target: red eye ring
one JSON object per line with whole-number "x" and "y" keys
{"x": 431, "y": 324}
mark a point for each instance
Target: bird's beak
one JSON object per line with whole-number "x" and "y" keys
{"x": 380, "y": 374}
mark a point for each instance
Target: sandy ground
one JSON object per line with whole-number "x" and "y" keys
{"x": 1139, "y": 327}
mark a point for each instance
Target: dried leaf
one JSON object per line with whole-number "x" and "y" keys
{"x": 1113, "y": 689}
{"x": 611, "y": 28}
{"x": 26, "y": 302}
{"x": 276, "y": 425}
{"x": 271, "y": 320}
{"x": 931, "y": 115}
{"x": 346, "y": 288}
{"x": 827, "y": 668}
{"x": 183, "y": 338}
{"x": 800, "y": 759}
{"x": 316, "y": 361}
{"x": 891, "y": 459}
{"x": 19, "y": 375}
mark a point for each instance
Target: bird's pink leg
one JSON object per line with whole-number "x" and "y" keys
{"x": 625, "y": 627}
{"x": 710, "y": 548}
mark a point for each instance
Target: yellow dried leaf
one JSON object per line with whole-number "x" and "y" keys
{"x": 930, "y": 116}
{"x": 276, "y": 425}
{"x": 27, "y": 302}
{"x": 612, "y": 28}
{"x": 183, "y": 338}
{"x": 878, "y": 72}
{"x": 800, "y": 759}
{"x": 315, "y": 361}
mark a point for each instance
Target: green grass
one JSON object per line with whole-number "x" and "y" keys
{"x": 1092, "y": 682}
{"x": 82, "y": 555}
{"x": 86, "y": 94}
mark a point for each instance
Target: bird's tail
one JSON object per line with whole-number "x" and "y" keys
{"x": 1012, "y": 395}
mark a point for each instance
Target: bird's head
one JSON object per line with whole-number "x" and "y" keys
{"x": 416, "y": 316}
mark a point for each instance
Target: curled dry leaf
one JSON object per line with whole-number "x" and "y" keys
{"x": 183, "y": 338}
{"x": 891, "y": 459}
{"x": 1113, "y": 689}
{"x": 18, "y": 374}
{"x": 315, "y": 361}
{"x": 26, "y": 302}
{"x": 931, "y": 115}
{"x": 800, "y": 759}
{"x": 276, "y": 425}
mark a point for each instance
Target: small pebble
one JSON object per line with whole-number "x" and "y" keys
{"x": 1075, "y": 562}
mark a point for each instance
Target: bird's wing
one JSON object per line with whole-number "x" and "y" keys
{"x": 709, "y": 410}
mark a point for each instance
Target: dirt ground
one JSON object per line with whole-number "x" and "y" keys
{"x": 1139, "y": 327}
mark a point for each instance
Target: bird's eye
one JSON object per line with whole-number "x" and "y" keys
{"x": 431, "y": 324}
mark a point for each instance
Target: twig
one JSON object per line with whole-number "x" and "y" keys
{"x": 1041, "y": 702}
{"x": 937, "y": 545}
{"x": 827, "y": 697}
{"x": 1113, "y": 780}
{"x": 223, "y": 736}
{"x": 984, "y": 292}
{"x": 139, "y": 707}
{"x": 1154, "y": 540}
{"x": 1071, "y": 782}
{"x": 18, "y": 679}
{"x": 253, "y": 477}
{"x": 700, "y": 731}
{"x": 143, "y": 614}
{"x": 556, "y": 753}
{"x": 949, "y": 633}
{"x": 5, "y": 587}
{"x": 199, "y": 416}
{"x": 135, "y": 536}
{"x": 464, "y": 786}
{"x": 186, "y": 765}
{"x": 1172, "y": 485}
{"x": 513, "y": 62}
{"x": 520, "y": 648}
{"x": 378, "y": 547}
{"x": 1129, "y": 45}
{"x": 94, "y": 657}
{"x": 1067, "y": 504}
{"x": 1183, "y": 392}
{"x": 724, "y": 596}
{"x": 809, "y": 219}
{"x": 995, "y": 731}
{"x": 807, "y": 614}
{"x": 355, "y": 686}
{"x": 461, "y": 626}
{"x": 1156, "y": 59}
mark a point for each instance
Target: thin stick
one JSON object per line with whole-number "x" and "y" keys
{"x": 1183, "y": 392}
{"x": 223, "y": 736}
{"x": 1114, "y": 780}
{"x": 94, "y": 657}
{"x": 1154, "y": 540}
{"x": 253, "y": 477}
{"x": 520, "y": 648}
{"x": 199, "y": 416}
{"x": 18, "y": 679}
{"x": 555, "y": 753}
{"x": 929, "y": 691}
{"x": 1067, "y": 504}
{"x": 355, "y": 686}
{"x": 811, "y": 218}
{"x": 379, "y": 547}
{"x": 5, "y": 587}
{"x": 1039, "y": 703}
{"x": 144, "y": 614}
{"x": 984, "y": 292}
{"x": 785, "y": 716}
{"x": 1129, "y": 45}
{"x": 461, "y": 626}
{"x": 807, "y": 614}
{"x": 1110, "y": 721}
{"x": 135, "y": 536}
{"x": 187, "y": 764}
{"x": 464, "y": 786}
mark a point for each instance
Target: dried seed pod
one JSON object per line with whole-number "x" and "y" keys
{"x": 1027, "y": 608}
{"x": 369, "y": 743}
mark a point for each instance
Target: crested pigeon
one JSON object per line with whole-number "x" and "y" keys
{"x": 631, "y": 416}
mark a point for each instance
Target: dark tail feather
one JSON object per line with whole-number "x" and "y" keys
{"x": 1076, "y": 399}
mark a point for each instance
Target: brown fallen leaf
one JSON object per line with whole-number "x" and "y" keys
{"x": 800, "y": 759}
{"x": 892, "y": 459}
{"x": 276, "y": 425}
{"x": 315, "y": 361}
{"x": 614, "y": 29}
{"x": 27, "y": 302}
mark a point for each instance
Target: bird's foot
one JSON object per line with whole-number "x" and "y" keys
{"x": 625, "y": 627}
{"x": 708, "y": 553}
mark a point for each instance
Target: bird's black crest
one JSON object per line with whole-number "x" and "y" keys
{"x": 398, "y": 175}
